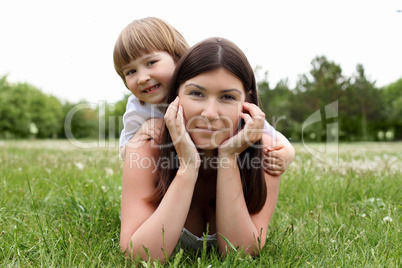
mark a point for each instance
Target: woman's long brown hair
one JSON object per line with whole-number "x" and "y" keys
{"x": 209, "y": 55}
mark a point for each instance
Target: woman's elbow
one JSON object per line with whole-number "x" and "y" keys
{"x": 144, "y": 254}
{"x": 124, "y": 248}
{"x": 253, "y": 250}
{"x": 127, "y": 248}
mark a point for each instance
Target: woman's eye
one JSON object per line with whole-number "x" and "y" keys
{"x": 196, "y": 94}
{"x": 228, "y": 97}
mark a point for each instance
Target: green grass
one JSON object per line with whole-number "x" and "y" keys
{"x": 60, "y": 205}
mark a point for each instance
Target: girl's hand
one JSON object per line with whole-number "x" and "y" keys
{"x": 185, "y": 148}
{"x": 152, "y": 129}
{"x": 273, "y": 163}
{"x": 254, "y": 120}
{"x": 278, "y": 154}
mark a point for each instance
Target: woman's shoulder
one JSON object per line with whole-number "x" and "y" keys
{"x": 141, "y": 162}
{"x": 143, "y": 145}
{"x": 147, "y": 137}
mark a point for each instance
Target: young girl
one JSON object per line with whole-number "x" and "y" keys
{"x": 145, "y": 56}
{"x": 207, "y": 170}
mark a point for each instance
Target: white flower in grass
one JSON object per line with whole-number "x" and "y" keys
{"x": 387, "y": 219}
{"x": 103, "y": 188}
{"x": 79, "y": 165}
{"x": 109, "y": 171}
{"x": 364, "y": 215}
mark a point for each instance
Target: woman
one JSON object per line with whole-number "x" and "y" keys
{"x": 208, "y": 170}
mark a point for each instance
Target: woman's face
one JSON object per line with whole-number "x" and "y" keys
{"x": 212, "y": 103}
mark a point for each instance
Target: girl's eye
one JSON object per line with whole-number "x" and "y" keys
{"x": 228, "y": 97}
{"x": 196, "y": 94}
{"x": 151, "y": 62}
{"x": 130, "y": 72}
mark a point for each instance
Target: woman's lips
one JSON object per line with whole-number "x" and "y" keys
{"x": 205, "y": 129}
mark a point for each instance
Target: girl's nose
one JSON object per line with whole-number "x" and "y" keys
{"x": 143, "y": 77}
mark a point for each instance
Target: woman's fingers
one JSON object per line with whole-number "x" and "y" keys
{"x": 185, "y": 148}
{"x": 171, "y": 111}
{"x": 171, "y": 119}
{"x": 246, "y": 117}
{"x": 175, "y": 122}
{"x": 255, "y": 113}
{"x": 254, "y": 119}
{"x": 253, "y": 110}
{"x": 181, "y": 127}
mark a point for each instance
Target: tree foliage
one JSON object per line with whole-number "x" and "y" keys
{"x": 25, "y": 111}
{"x": 392, "y": 108}
{"x": 364, "y": 111}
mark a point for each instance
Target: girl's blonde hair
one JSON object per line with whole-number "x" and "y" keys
{"x": 145, "y": 36}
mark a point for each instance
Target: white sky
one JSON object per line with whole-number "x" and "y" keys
{"x": 65, "y": 47}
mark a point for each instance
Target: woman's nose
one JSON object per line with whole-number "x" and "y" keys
{"x": 210, "y": 111}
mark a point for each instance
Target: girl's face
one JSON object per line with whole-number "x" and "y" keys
{"x": 148, "y": 77}
{"x": 212, "y": 103}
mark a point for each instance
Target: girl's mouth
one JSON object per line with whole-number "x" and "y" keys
{"x": 151, "y": 89}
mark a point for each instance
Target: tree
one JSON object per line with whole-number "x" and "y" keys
{"x": 276, "y": 105}
{"x": 14, "y": 111}
{"x": 80, "y": 120}
{"x": 323, "y": 86}
{"x": 23, "y": 106}
{"x": 364, "y": 105}
{"x": 114, "y": 116}
{"x": 392, "y": 108}
{"x": 46, "y": 112}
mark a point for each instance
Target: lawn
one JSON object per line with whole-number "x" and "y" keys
{"x": 59, "y": 207}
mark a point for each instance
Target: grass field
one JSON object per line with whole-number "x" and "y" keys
{"x": 59, "y": 207}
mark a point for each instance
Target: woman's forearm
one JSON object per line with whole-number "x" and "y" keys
{"x": 169, "y": 218}
{"x": 233, "y": 220}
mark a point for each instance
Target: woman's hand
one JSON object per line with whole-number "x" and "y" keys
{"x": 185, "y": 148}
{"x": 254, "y": 120}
